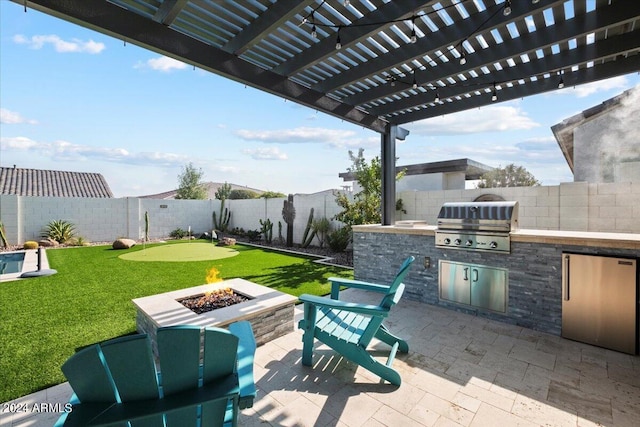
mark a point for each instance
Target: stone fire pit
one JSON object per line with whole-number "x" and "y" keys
{"x": 270, "y": 312}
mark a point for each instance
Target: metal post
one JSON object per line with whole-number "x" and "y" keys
{"x": 388, "y": 159}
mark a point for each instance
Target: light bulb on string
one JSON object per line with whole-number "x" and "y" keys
{"x": 507, "y": 8}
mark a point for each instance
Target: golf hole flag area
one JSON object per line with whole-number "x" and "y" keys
{"x": 193, "y": 251}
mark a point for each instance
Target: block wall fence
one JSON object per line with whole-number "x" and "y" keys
{"x": 569, "y": 206}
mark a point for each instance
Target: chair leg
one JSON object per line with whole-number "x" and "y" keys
{"x": 385, "y": 336}
{"x": 380, "y": 369}
{"x": 309, "y": 326}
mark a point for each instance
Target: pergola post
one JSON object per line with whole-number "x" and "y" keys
{"x": 388, "y": 160}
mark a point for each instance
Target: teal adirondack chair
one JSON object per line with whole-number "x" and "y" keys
{"x": 116, "y": 383}
{"x": 348, "y": 327}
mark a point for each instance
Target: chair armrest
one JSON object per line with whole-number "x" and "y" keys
{"x": 246, "y": 352}
{"x": 337, "y": 282}
{"x": 374, "y": 310}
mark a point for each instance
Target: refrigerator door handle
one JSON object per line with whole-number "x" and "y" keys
{"x": 565, "y": 278}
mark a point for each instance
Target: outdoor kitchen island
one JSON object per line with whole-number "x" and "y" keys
{"x": 532, "y": 269}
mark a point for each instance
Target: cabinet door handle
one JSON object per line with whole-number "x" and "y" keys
{"x": 466, "y": 273}
{"x": 475, "y": 272}
{"x": 565, "y": 278}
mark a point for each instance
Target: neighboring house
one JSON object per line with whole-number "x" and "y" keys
{"x": 50, "y": 183}
{"x": 601, "y": 143}
{"x": 445, "y": 175}
{"x": 211, "y": 188}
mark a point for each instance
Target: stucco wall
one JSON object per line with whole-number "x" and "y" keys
{"x": 578, "y": 206}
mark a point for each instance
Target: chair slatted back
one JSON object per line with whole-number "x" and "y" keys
{"x": 397, "y": 287}
{"x": 130, "y": 361}
{"x": 97, "y": 387}
{"x": 392, "y": 297}
{"x": 179, "y": 350}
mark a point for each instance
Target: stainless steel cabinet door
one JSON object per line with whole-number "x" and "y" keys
{"x": 454, "y": 282}
{"x": 489, "y": 288}
{"x": 599, "y": 301}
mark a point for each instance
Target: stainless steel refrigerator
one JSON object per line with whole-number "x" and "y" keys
{"x": 599, "y": 301}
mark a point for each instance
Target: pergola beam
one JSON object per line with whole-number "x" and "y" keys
{"x": 608, "y": 48}
{"x": 440, "y": 40}
{"x": 607, "y": 70}
{"x": 279, "y": 13}
{"x": 526, "y": 43}
{"x": 363, "y": 28}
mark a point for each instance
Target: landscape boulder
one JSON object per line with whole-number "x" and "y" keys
{"x": 123, "y": 243}
{"x": 227, "y": 241}
{"x": 48, "y": 243}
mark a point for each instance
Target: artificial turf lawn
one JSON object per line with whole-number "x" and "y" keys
{"x": 45, "y": 320}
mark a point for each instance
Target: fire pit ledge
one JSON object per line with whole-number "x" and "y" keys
{"x": 270, "y": 312}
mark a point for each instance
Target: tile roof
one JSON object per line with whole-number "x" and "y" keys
{"x": 50, "y": 183}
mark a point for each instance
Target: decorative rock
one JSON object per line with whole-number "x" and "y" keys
{"x": 227, "y": 241}
{"x": 123, "y": 243}
{"x": 48, "y": 243}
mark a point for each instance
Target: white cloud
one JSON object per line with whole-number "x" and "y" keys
{"x": 19, "y": 143}
{"x": 64, "y": 150}
{"x": 585, "y": 90}
{"x": 162, "y": 63}
{"x": 488, "y": 119}
{"x": 308, "y": 135}
{"x": 12, "y": 118}
{"x": 271, "y": 153}
{"x": 60, "y": 45}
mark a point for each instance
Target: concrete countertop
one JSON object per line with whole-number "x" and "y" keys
{"x": 552, "y": 237}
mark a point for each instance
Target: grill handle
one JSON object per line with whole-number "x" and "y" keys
{"x": 565, "y": 279}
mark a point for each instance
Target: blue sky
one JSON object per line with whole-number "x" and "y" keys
{"x": 76, "y": 100}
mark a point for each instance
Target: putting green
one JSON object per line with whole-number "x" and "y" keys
{"x": 192, "y": 251}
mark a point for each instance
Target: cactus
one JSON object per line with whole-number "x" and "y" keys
{"x": 306, "y": 237}
{"x": 322, "y": 227}
{"x": 289, "y": 214}
{"x": 280, "y": 238}
{"x": 225, "y": 216}
{"x": 267, "y": 230}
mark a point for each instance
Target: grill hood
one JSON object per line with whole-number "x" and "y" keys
{"x": 479, "y": 216}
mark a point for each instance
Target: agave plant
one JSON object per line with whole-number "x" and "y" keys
{"x": 59, "y": 230}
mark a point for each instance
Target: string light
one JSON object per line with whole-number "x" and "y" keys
{"x": 494, "y": 95}
{"x": 561, "y": 83}
{"x": 437, "y": 98}
{"x": 338, "y": 42}
{"x": 507, "y": 8}
{"x": 415, "y": 83}
{"x": 414, "y": 38}
{"x": 463, "y": 58}
{"x": 535, "y": 1}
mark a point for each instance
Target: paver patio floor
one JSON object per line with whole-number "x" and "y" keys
{"x": 461, "y": 370}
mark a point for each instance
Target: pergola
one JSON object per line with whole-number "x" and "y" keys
{"x": 380, "y": 63}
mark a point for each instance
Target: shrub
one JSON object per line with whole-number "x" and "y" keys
{"x": 178, "y": 233}
{"x": 59, "y": 230}
{"x": 253, "y": 234}
{"x": 339, "y": 239}
{"x": 79, "y": 241}
{"x": 30, "y": 244}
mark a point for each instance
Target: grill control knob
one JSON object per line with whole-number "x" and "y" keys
{"x": 447, "y": 241}
{"x": 469, "y": 242}
{"x": 493, "y": 245}
{"x": 457, "y": 241}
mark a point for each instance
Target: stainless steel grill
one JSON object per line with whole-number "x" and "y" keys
{"x": 482, "y": 226}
